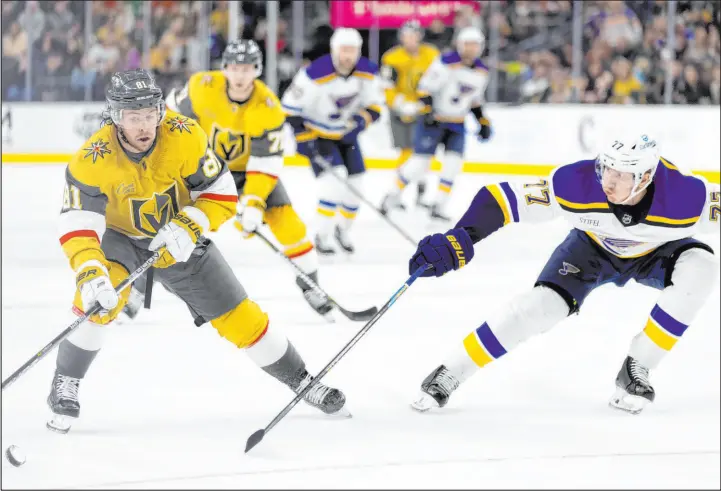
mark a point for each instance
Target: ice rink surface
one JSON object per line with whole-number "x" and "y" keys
{"x": 170, "y": 405}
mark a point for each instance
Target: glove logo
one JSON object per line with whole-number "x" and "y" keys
{"x": 86, "y": 275}
{"x": 228, "y": 145}
{"x": 458, "y": 249}
{"x": 150, "y": 215}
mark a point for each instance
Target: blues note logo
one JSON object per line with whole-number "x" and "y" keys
{"x": 568, "y": 268}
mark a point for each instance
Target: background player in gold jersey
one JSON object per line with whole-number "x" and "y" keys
{"x": 402, "y": 68}
{"x": 244, "y": 120}
{"x": 146, "y": 181}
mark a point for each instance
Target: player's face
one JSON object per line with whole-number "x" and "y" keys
{"x": 240, "y": 77}
{"x": 410, "y": 39}
{"x": 346, "y": 58}
{"x": 140, "y": 127}
{"x": 617, "y": 185}
{"x": 469, "y": 50}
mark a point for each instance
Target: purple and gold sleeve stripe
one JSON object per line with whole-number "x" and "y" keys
{"x": 482, "y": 346}
{"x": 506, "y": 199}
{"x": 663, "y": 329}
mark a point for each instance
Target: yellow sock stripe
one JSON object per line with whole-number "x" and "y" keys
{"x": 476, "y": 351}
{"x": 661, "y": 338}
{"x": 496, "y": 192}
{"x": 444, "y": 188}
{"x": 400, "y": 184}
{"x": 348, "y": 214}
{"x": 326, "y": 212}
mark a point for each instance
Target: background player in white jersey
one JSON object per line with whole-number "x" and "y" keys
{"x": 633, "y": 215}
{"x": 452, "y": 87}
{"x": 328, "y": 104}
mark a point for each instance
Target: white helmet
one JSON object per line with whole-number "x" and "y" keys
{"x": 638, "y": 155}
{"x": 472, "y": 35}
{"x": 345, "y": 36}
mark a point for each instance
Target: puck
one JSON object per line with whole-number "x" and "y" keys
{"x": 15, "y": 455}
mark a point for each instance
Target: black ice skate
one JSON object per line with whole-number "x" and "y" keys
{"x": 419, "y": 197}
{"x": 390, "y": 202}
{"x": 633, "y": 390}
{"x": 436, "y": 389}
{"x": 317, "y": 300}
{"x": 63, "y": 402}
{"x": 438, "y": 214}
{"x": 324, "y": 246}
{"x": 341, "y": 235}
{"x": 327, "y": 399}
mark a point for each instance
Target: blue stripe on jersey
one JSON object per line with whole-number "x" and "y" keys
{"x": 321, "y": 67}
{"x": 480, "y": 65}
{"x": 677, "y": 196}
{"x": 451, "y": 58}
{"x": 578, "y": 183}
{"x": 667, "y": 322}
{"x": 325, "y": 126}
{"x": 511, "y": 197}
{"x": 364, "y": 65}
{"x": 292, "y": 108}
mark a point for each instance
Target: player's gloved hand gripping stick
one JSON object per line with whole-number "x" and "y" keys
{"x": 80, "y": 320}
{"x": 257, "y": 437}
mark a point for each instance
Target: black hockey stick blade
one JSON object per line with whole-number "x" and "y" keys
{"x": 363, "y": 315}
{"x": 254, "y": 439}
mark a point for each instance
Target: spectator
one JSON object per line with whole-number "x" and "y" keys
{"x": 692, "y": 91}
{"x": 626, "y": 87}
{"x": 60, "y": 20}
{"x": 14, "y": 59}
{"x": 715, "y": 85}
{"x": 32, "y": 20}
{"x": 439, "y": 35}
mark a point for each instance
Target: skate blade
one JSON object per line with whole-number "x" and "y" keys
{"x": 60, "y": 423}
{"x": 342, "y": 413}
{"x": 629, "y": 403}
{"x": 424, "y": 403}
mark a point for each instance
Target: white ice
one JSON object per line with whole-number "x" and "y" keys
{"x": 170, "y": 405}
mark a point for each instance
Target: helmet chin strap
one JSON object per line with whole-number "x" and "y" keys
{"x": 636, "y": 191}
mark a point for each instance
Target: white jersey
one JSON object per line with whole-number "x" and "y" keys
{"x": 681, "y": 206}
{"x": 454, "y": 87}
{"x": 328, "y": 101}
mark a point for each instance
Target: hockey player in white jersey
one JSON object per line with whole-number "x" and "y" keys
{"x": 328, "y": 104}
{"x": 452, "y": 87}
{"x": 633, "y": 215}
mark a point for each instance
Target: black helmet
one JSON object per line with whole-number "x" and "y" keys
{"x": 133, "y": 89}
{"x": 243, "y": 52}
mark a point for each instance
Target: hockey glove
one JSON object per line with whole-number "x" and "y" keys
{"x": 360, "y": 124}
{"x": 251, "y": 210}
{"x": 445, "y": 252}
{"x": 485, "y": 132}
{"x": 430, "y": 120}
{"x": 177, "y": 239}
{"x": 94, "y": 285}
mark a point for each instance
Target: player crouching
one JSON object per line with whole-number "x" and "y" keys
{"x": 633, "y": 215}
{"x": 147, "y": 181}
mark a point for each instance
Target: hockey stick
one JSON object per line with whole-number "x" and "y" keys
{"x": 326, "y": 166}
{"x": 363, "y": 315}
{"x": 80, "y": 320}
{"x": 257, "y": 437}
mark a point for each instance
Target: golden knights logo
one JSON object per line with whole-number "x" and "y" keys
{"x": 180, "y": 123}
{"x": 150, "y": 215}
{"x": 227, "y": 144}
{"x": 98, "y": 148}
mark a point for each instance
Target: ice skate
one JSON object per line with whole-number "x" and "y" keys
{"x": 343, "y": 238}
{"x": 324, "y": 245}
{"x": 419, "y": 196}
{"x": 436, "y": 389}
{"x": 329, "y": 400}
{"x": 633, "y": 390}
{"x": 63, "y": 402}
{"x": 390, "y": 202}
{"x": 437, "y": 213}
{"x": 318, "y": 302}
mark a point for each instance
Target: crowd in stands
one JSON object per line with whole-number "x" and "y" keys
{"x": 624, "y": 55}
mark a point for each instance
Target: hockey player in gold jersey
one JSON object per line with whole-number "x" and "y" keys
{"x": 244, "y": 121}
{"x": 147, "y": 181}
{"x": 402, "y": 68}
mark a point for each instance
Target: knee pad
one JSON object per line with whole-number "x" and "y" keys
{"x": 285, "y": 224}
{"x": 351, "y": 200}
{"x": 117, "y": 274}
{"x": 243, "y": 325}
{"x": 534, "y": 312}
{"x": 452, "y": 165}
{"x": 695, "y": 271}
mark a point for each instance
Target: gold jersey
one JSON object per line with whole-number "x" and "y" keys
{"x": 235, "y": 131}
{"x": 403, "y": 71}
{"x": 106, "y": 188}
